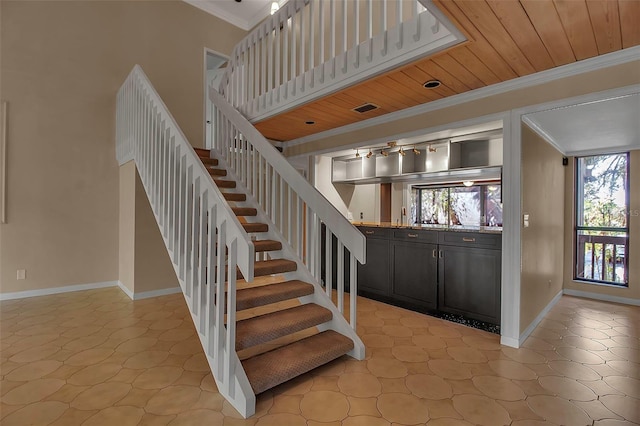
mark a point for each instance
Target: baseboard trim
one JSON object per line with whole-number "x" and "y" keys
{"x": 156, "y": 293}
{"x": 57, "y": 290}
{"x": 603, "y": 297}
{"x": 525, "y": 334}
{"x": 509, "y": 341}
{"x": 125, "y": 290}
{"x": 148, "y": 294}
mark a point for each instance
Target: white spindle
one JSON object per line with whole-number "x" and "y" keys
{"x": 231, "y": 315}
{"x": 299, "y": 227}
{"x": 332, "y": 25}
{"x": 340, "y": 276}
{"x": 203, "y": 256}
{"x": 321, "y": 36}
{"x": 370, "y": 28}
{"x": 353, "y": 290}
{"x": 271, "y": 65}
{"x": 281, "y": 198}
{"x": 399, "y": 23}
{"x": 328, "y": 270}
{"x": 294, "y": 64}
{"x": 188, "y": 230}
{"x": 278, "y": 40}
{"x": 312, "y": 37}
{"x": 383, "y": 25}
{"x": 211, "y": 281}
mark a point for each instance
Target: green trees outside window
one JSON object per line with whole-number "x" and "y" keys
{"x": 602, "y": 208}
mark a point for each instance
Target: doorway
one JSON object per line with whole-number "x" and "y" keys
{"x": 214, "y": 68}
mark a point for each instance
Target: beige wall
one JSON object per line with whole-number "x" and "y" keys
{"x": 153, "y": 268}
{"x": 542, "y": 242}
{"x": 633, "y": 291}
{"x": 594, "y": 81}
{"x": 62, "y": 63}
{"x": 127, "y": 228}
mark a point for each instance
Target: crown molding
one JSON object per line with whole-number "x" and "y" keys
{"x": 211, "y": 8}
{"x": 599, "y": 62}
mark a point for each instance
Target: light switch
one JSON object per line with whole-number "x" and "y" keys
{"x": 525, "y": 221}
{"x": 349, "y": 216}
{"x": 22, "y": 274}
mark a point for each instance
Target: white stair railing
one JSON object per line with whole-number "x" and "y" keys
{"x": 293, "y": 206}
{"x": 196, "y": 223}
{"x": 311, "y": 48}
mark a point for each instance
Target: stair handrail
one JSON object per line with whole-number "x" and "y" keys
{"x": 310, "y": 48}
{"x": 203, "y": 236}
{"x": 352, "y": 239}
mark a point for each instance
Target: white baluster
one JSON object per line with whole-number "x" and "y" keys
{"x": 353, "y": 291}
{"x": 340, "y": 276}
{"x": 328, "y": 253}
{"x": 321, "y": 35}
{"x": 383, "y": 25}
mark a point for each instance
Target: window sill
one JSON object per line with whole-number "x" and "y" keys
{"x": 579, "y": 281}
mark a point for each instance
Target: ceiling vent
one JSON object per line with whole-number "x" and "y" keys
{"x": 366, "y": 108}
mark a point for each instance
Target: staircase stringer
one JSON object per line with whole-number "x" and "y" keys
{"x": 338, "y": 322}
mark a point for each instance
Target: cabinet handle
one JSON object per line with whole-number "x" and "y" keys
{"x": 412, "y": 235}
{"x": 468, "y": 240}
{"x": 434, "y": 253}
{"x": 440, "y": 255}
{"x": 369, "y": 232}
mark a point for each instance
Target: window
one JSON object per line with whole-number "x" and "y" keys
{"x": 472, "y": 206}
{"x": 602, "y": 230}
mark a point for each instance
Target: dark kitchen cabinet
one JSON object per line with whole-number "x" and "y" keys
{"x": 374, "y": 276}
{"x": 414, "y": 267}
{"x": 415, "y": 273}
{"x": 428, "y": 271}
{"x": 470, "y": 280}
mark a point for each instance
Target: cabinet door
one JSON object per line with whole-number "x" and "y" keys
{"x": 470, "y": 282}
{"x": 374, "y": 275}
{"x": 415, "y": 273}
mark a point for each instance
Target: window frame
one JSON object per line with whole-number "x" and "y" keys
{"x": 579, "y": 210}
{"x": 482, "y": 201}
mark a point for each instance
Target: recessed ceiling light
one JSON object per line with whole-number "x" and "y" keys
{"x": 432, "y": 84}
{"x": 309, "y": 122}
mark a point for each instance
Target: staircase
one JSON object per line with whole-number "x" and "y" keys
{"x": 266, "y": 369}
{"x": 242, "y": 229}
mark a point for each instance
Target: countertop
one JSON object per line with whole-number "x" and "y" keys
{"x": 432, "y": 227}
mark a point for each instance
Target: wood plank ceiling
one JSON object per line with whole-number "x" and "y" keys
{"x": 507, "y": 39}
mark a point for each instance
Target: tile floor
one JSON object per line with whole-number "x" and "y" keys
{"x": 97, "y": 358}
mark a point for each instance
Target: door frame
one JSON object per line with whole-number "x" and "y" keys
{"x": 205, "y": 98}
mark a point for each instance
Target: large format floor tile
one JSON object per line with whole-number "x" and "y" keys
{"x": 97, "y": 358}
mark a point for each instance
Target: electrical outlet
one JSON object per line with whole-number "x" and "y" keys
{"x": 22, "y": 274}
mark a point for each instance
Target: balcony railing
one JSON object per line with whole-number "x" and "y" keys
{"x": 602, "y": 258}
{"x": 311, "y": 48}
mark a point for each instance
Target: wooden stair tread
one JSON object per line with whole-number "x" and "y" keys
{"x": 245, "y": 211}
{"x": 272, "y": 293}
{"x": 272, "y": 368}
{"x": 267, "y": 245}
{"x": 273, "y": 266}
{"x": 209, "y": 161}
{"x": 202, "y": 152}
{"x": 220, "y": 183}
{"x": 234, "y": 196}
{"x": 255, "y": 227}
{"x": 265, "y": 328}
{"x": 217, "y": 172}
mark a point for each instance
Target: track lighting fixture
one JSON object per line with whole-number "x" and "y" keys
{"x": 384, "y": 153}
{"x": 432, "y": 149}
{"x": 416, "y": 151}
{"x": 369, "y": 154}
{"x": 401, "y": 152}
{"x": 357, "y": 154}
